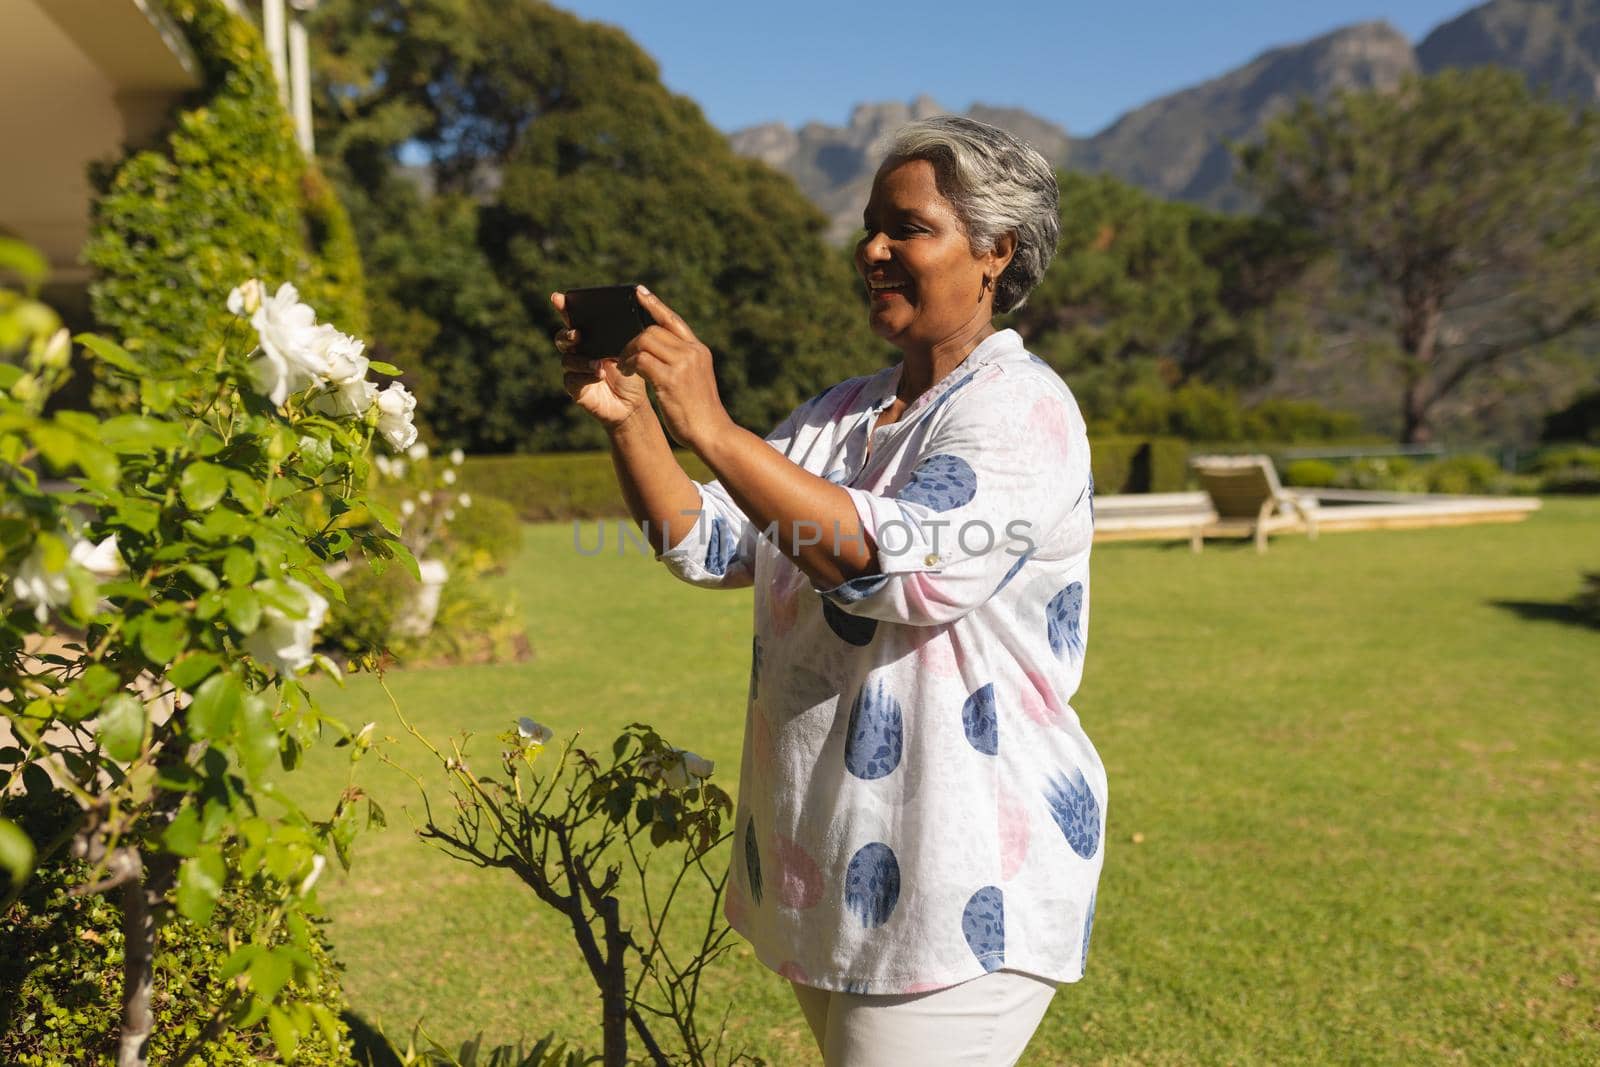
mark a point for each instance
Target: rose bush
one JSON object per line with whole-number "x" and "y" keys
{"x": 156, "y": 613}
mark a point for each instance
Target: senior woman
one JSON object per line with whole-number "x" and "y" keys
{"x": 920, "y": 815}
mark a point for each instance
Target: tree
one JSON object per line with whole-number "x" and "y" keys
{"x": 1466, "y": 204}
{"x": 1146, "y": 295}
{"x": 556, "y": 158}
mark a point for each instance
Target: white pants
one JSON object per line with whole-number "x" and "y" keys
{"x": 986, "y": 1022}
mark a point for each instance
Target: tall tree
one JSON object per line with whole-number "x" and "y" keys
{"x": 555, "y": 158}
{"x": 1465, "y": 203}
{"x": 1206, "y": 296}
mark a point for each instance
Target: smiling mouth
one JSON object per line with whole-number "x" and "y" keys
{"x": 883, "y": 290}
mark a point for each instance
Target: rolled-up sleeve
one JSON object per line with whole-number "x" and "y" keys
{"x": 994, "y": 484}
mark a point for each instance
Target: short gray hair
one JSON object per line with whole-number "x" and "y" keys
{"x": 997, "y": 184}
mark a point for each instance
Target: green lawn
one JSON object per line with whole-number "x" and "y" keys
{"x": 1363, "y": 774}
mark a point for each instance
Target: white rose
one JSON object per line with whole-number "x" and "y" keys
{"x": 698, "y": 766}
{"x": 425, "y": 496}
{"x": 384, "y": 464}
{"x": 448, "y": 477}
{"x": 291, "y": 343}
{"x": 449, "y": 513}
{"x": 465, "y": 500}
{"x": 245, "y": 298}
{"x": 457, "y": 457}
{"x": 407, "y": 508}
{"x": 104, "y": 561}
{"x": 418, "y": 452}
{"x": 535, "y": 732}
{"x": 36, "y": 584}
{"x": 342, "y": 356}
{"x": 395, "y": 405}
{"x": 347, "y": 398}
{"x": 284, "y": 643}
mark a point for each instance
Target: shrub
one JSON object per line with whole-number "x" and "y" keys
{"x": 564, "y": 485}
{"x": 228, "y": 196}
{"x": 1568, "y": 469}
{"x": 1311, "y": 473}
{"x": 1138, "y": 464}
{"x": 61, "y": 960}
{"x": 1461, "y": 474}
{"x": 1376, "y": 472}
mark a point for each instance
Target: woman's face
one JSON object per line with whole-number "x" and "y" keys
{"x": 924, "y": 282}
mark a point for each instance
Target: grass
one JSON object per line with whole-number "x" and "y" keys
{"x": 1354, "y": 810}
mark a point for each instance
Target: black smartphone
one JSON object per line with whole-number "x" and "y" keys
{"x": 606, "y": 317}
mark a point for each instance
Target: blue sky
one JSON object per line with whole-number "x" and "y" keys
{"x": 1078, "y": 64}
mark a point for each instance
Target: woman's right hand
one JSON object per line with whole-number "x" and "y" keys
{"x": 598, "y": 385}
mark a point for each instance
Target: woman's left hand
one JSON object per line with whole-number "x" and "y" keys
{"x": 671, "y": 358}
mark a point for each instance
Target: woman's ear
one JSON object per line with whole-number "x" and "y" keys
{"x": 999, "y": 257}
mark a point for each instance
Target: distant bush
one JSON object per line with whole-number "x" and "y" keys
{"x": 1568, "y": 469}
{"x": 1311, "y": 473}
{"x": 1377, "y": 472}
{"x": 1197, "y": 412}
{"x": 1138, "y": 464}
{"x": 1461, "y": 474}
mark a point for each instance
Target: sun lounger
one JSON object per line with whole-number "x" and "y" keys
{"x": 1248, "y": 501}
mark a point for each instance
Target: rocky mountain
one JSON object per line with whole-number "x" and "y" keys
{"x": 1177, "y": 145}
{"x": 1556, "y": 43}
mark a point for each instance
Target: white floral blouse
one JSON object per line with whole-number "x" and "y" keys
{"x": 918, "y": 804}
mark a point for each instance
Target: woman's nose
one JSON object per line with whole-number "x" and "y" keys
{"x": 875, "y": 249}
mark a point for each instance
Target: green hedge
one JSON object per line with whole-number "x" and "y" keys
{"x": 227, "y": 195}
{"x": 583, "y": 485}
{"x": 1138, "y": 464}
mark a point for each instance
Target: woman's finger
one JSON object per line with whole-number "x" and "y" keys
{"x": 573, "y": 361}
{"x": 566, "y": 341}
{"x": 560, "y": 302}
{"x": 664, "y": 315}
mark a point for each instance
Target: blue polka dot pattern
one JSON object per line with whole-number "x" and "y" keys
{"x": 851, "y": 629}
{"x": 873, "y": 739}
{"x": 755, "y": 668}
{"x": 721, "y": 548}
{"x": 979, "y": 721}
{"x": 983, "y": 924}
{"x": 1064, "y": 620}
{"x": 1091, "y": 499}
{"x": 752, "y": 860}
{"x": 942, "y": 482}
{"x": 872, "y": 884}
{"x": 1026, "y": 555}
{"x": 858, "y": 988}
{"x": 857, "y": 589}
{"x": 1088, "y": 925}
{"x": 838, "y": 477}
{"x": 1075, "y": 810}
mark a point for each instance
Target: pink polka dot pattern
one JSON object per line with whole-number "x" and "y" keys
{"x": 783, "y": 601}
{"x": 923, "y": 987}
{"x": 937, "y": 655}
{"x": 1048, "y": 421}
{"x": 798, "y": 877}
{"x": 1039, "y": 701}
{"x": 1012, "y": 819}
{"x": 761, "y": 747}
{"x": 734, "y": 907}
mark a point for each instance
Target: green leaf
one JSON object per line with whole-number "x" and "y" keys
{"x": 379, "y": 367}
{"x": 110, "y": 352}
{"x": 58, "y": 447}
{"x": 238, "y": 566}
{"x": 182, "y": 835}
{"x": 25, "y": 261}
{"x": 269, "y": 972}
{"x": 36, "y": 781}
{"x": 140, "y": 434}
{"x": 158, "y": 394}
{"x": 16, "y": 854}
{"x": 189, "y": 670}
{"x": 200, "y": 881}
{"x": 201, "y": 576}
{"x": 90, "y": 691}
{"x": 121, "y": 726}
{"x": 403, "y": 554}
{"x": 202, "y": 485}
{"x": 257, "y": 736}
{"x": 161, "y": 639}
{"x": 244, "y": 609}
{"x": 215, "y": 704}
{"x": 284, "y": 1034}
{"x": 386, "y": 518}
{"x": 238, "y": 961}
